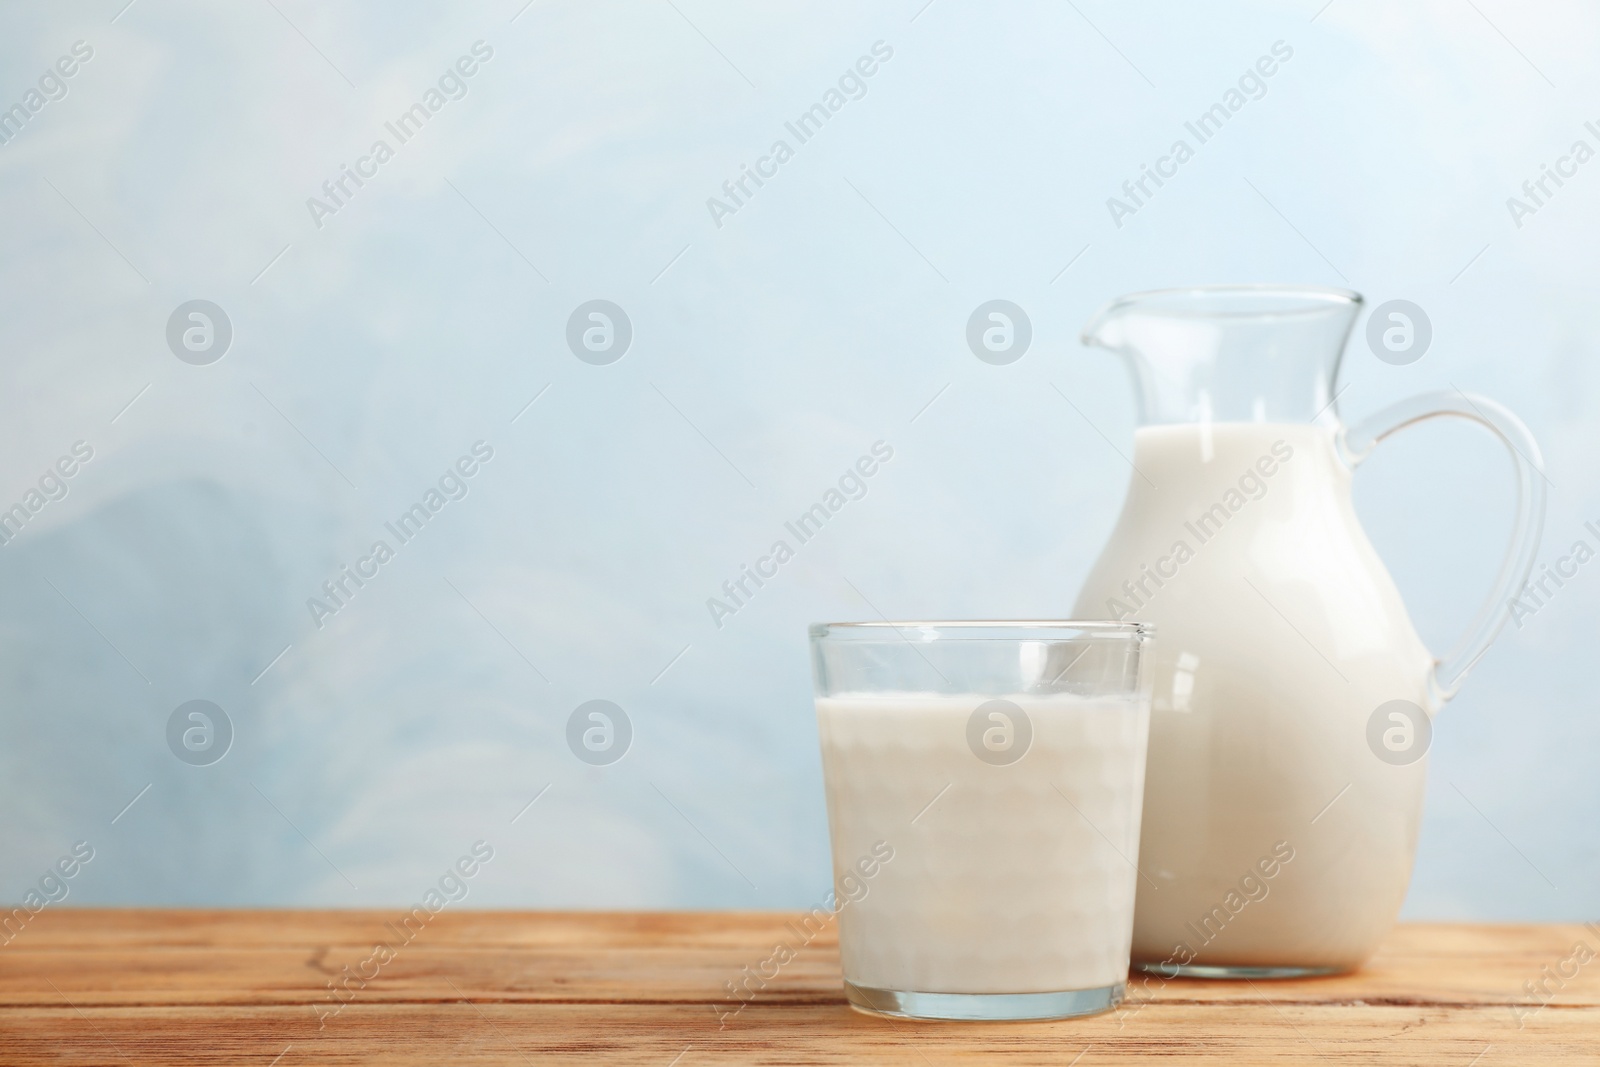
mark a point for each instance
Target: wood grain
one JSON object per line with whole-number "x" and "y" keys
{"x": 199, "y": 987}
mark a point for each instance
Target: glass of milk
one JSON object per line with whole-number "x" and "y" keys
{"x": 984, "y": 785}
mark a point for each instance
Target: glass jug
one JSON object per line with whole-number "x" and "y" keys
{"x": 1293, "y": 698}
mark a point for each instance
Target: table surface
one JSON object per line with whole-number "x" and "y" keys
{"x": 92, "y": 986}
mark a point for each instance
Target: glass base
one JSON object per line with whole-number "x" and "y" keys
{"x": 983, "y": 1007}
{"x": 1198, "y": 970}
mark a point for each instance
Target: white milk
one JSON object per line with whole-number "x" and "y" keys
{"x": 999, "y": 886}
{"x": 1278, "y": 633}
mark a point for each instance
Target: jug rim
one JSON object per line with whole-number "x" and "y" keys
{"x": 1255, "y": 300}
{"x": 989, "y": 629}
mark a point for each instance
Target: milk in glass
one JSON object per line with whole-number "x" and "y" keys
{"x": 1006, "y": 877}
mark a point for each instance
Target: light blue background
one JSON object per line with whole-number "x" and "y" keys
{"x": 821, "y": 317}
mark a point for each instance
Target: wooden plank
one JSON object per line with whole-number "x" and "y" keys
{"x": 1242, "y": 1035}
{"x": 95, "y": 986}
{"x": 140, "y": 957}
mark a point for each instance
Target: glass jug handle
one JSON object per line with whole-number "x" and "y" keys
{"x": 1357, "y": 442}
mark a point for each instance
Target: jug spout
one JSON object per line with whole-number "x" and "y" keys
{"x": 1104, "y": 328}
{"x": 1236, "y": 353}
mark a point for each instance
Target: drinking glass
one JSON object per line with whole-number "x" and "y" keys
{"x": 984, "y": 784}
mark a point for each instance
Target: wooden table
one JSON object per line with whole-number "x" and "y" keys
{"x": 253, "y": 987}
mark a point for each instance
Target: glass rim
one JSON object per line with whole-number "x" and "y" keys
{"x": 990, "y": 629}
